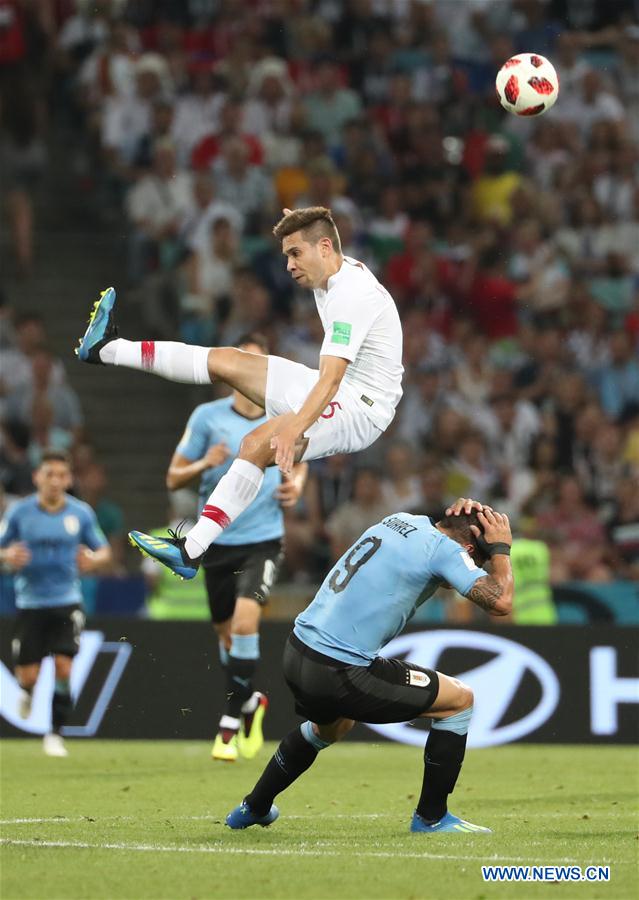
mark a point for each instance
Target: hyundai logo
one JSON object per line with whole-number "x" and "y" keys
{"x": 495, "y": 684}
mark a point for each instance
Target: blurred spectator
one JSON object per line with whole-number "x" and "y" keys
{"x": 576, "y": 536}
{"x": 492, "y": 192}
{"x": 434, "y": 496}
{"x": 17, "y": 370}
{"x": 471, "y": 473}
{"x": 61, "y": 400}
{"x": 197, "y": 111}
{"x": 588, "y": 103}
{"x": 618, "y": 379}
{"x": 23, "y": 157}
{"x": 401, "y": 489}
{"x": 243, "y": 185}
{"x": 209, "y": 277}
{"x": 349, "y": 520}
{"x": 330, "y": 105}
{"x": 128, "y": 117}
{"x": 157, "y": 205}
{"x": 623, "y": 529}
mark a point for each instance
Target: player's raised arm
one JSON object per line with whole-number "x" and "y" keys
{"x": 183, "y": 471}
{"x": 481, "y": 537}
{"x": 494, "y": 592}
{"x": 331, "y": 372}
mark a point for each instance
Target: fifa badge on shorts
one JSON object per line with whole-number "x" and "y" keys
{"x": 418, "y": 679}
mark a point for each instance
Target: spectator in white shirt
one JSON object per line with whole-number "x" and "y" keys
{"x": 197, "y": 112}
{"x": 156, "y": 206}
{"x": 206, "y": 209}
{"x": 126, "y": 119}
{"x": 244, "y": 186}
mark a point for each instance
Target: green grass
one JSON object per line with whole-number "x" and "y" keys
{"x": 140, "y": 819}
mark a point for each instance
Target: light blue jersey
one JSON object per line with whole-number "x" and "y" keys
{"x": 216, "y": 423}
{"x": 53, "y": 538}
{"x": 374, "y": 589}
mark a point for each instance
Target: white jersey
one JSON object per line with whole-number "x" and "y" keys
{"x": 361, "y": 324}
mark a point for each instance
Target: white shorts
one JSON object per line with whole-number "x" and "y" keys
{"x": 343, "y": 427}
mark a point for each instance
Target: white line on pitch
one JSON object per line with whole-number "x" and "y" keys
{"x": 255, "y": 851}
{"x": 63, "y": 820}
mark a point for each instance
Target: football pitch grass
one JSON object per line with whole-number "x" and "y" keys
{"x": 126, "y": 819}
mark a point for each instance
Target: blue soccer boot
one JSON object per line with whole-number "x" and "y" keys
{"x": 101, "y": 330}
{"x": 243, "y": 817}
{"x": 448, "y": 824}
{"x": 167, "y": 550}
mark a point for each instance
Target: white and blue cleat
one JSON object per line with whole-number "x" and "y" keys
{"x": 166, "y": 550}
{"x": 449, "y": 824}
{"x": 243, "y": 817}
{"x": 101, "y": 329}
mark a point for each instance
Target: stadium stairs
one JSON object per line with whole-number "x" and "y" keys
{"x": 133, "y": 420}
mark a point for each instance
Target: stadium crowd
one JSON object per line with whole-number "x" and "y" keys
{"x": 509, "y": 245}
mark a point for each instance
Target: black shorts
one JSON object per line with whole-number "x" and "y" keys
{"x": 325, "y": 689}
{"x": 248, "y": 570}
{"x": 39, "y": 632}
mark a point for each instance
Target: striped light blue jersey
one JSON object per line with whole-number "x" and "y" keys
{"x": 374, "y": 589}
{"x": 51, "y": 578}
{"x": 215, "y": 423}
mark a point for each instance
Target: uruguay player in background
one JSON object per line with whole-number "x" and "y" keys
{"x": 333, "y": 667}
{"x": 242, "y": 566}
{"x": 49, "y": 539}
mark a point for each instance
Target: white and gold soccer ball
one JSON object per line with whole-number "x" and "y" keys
{"x": 527, "y": 85}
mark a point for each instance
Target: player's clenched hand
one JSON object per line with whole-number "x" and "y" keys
{"x": 465, "y": 505}
{"x": 17, "y": 556}
{"x": 216, "y": 455}
{"x": 85, "y": 559}
{"x": 495, "y": 527}
{"x": 288, "y": 492}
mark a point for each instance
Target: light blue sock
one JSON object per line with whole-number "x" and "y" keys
{"x": 308, "y": 733}
{"x": 459, "y": 723}
{"x": 245, "y": 646}
{"x": 224, "y": 654}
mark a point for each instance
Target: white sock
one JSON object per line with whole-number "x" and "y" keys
{"x": 234, "y": 492}
{"x": 249, "y": 706}
{"x": 228, "y": 722}
{"x": 177, "y": 362}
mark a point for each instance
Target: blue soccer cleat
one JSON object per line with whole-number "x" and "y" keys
{"x": 166, "y": 550}
{"x": 450, "y": 824}
{"x": 101, "y": 330}
{"x": 243, "y": 817}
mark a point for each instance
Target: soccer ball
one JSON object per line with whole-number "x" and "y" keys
{"x": 527, "y": 85}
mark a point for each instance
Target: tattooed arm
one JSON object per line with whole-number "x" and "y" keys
{"x": 494, "y": 593}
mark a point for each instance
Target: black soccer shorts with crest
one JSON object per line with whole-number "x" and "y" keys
{"x": 387, "y": 690}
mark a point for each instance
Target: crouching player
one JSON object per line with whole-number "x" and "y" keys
{"x": 48, "y": 539}
{"x": 333, "y": 667}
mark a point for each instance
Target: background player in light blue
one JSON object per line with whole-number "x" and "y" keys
{"x": 49, "y": 539}
{"x": 332, "y": 663}
{"x": 241, "y": 567}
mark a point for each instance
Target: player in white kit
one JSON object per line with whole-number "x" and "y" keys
{"x": 342, "y": 407}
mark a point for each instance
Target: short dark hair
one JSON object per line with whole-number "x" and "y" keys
{"x": 254, "y": 337}
{"x": 315, "y": 223}
{"x": 51, "y": 455}
{"x": 459, "y": 529}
